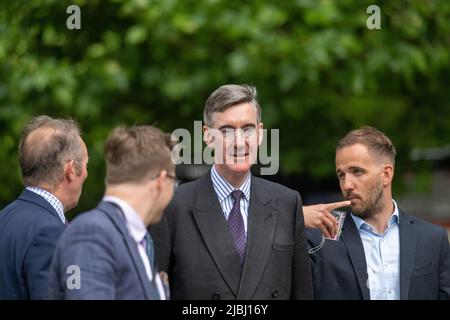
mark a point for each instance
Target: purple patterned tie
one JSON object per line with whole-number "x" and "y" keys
{"x": 236, "y": 224}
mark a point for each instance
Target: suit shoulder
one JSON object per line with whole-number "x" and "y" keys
{"x": 92, "y": 227}
{"x": 274, "y": 187}
{"x": 425, "y": 227}
{"x": 186, "y": 192}
{"x": 423, "y": 224}
{"x": 29, "y": 215}
{"x": 93, "y": 219}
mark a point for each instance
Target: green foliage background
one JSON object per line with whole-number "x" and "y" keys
{"x": 318, "y": 69}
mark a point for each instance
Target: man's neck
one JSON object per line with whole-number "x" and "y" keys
{"x": 58, "y": 193}
{"x": 132, "y": 197}
{"x": 236, "y": 180}
{"x": 380, "y": 220}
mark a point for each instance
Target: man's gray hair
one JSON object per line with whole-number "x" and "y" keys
{"x": 45, "y": 146}
{"x": 228, "y": 96}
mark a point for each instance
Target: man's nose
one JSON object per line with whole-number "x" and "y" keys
{"x": 239, "y": 138}
{"x": 347, "y": 184}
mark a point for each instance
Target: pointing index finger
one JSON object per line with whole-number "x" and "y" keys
{"x": 335, "y": 205}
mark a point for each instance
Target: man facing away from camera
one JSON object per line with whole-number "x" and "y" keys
{"x": 383, "y": 253}
{"x": 107, "y": 252}
{"x": 53, "y": 160}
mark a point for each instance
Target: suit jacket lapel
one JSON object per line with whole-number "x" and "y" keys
{"x": 260, "y": 232}
{"x": 114, "y": 213}
{"x": 408, "y": 242}
{"x": 352, "y": 240}
{"x": 213, "y": 227}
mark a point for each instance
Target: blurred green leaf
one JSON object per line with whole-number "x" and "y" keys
{"x": 319, "y": 72}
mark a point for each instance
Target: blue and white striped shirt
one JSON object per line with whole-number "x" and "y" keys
{"x": 224, "y": 193}
{"x": 50, "y": 198}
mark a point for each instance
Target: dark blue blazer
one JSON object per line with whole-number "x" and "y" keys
{"x": 98, "y": 243}
{"x": 340, "y": 270}
{"x": 29, "y": 230}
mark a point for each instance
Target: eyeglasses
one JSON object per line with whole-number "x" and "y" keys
{"x": 176, "y": 182}
{"x": 230, "y": 133}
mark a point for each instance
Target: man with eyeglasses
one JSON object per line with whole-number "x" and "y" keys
{"x": 107, "y": 253}
{"x": 231, "y": 235}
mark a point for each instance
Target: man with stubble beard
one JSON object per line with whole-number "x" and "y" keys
{"x": 383, "y": 253}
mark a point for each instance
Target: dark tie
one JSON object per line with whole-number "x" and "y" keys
{"x": 236, "y": 224}
{"x": 150, "y": 250}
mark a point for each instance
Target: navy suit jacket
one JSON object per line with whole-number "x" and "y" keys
{"x": 29, "y": 230}
{"x": 340, "y": 270}
{"x": 98, "y": 243}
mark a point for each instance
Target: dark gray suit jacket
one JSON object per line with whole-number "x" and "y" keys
{"x": 340, "y": 270}
{"x": 193, "y": 244}
{"x": 100, "y": 245}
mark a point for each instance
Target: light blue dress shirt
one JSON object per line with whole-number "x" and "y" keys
{"x": 224, "y": 189}
{"x": 382, "y": 253}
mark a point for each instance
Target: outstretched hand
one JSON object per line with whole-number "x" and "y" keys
{"x": 319, "y": 216}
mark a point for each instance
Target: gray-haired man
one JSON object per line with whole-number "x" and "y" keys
{"x": 230, "y": 235}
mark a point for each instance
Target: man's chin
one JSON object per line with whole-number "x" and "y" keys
{"x": 360, "y": 212}
{"x": 239, "y": 168}
{"x": 156, "y": 219}
{"x": 357, "y": 210}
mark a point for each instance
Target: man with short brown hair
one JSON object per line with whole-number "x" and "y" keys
{"x": 107, "y": 253}
{"x": 384, "y": 253}
{"x": 53, "y": 160}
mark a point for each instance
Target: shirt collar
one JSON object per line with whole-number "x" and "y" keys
{"x": 394, "y": 218}
{"x": 51, "y": 199}
{"x": 134, "y": 223}
{"x": 223, "y": 188}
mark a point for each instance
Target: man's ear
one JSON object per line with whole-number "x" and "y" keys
{"x": 388, "y": 174}
{"x": 70, "y": 171}
{"x": 160, "y": 180}
{"x": 208, "y": 137}
{"x": 260, "y": 133}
